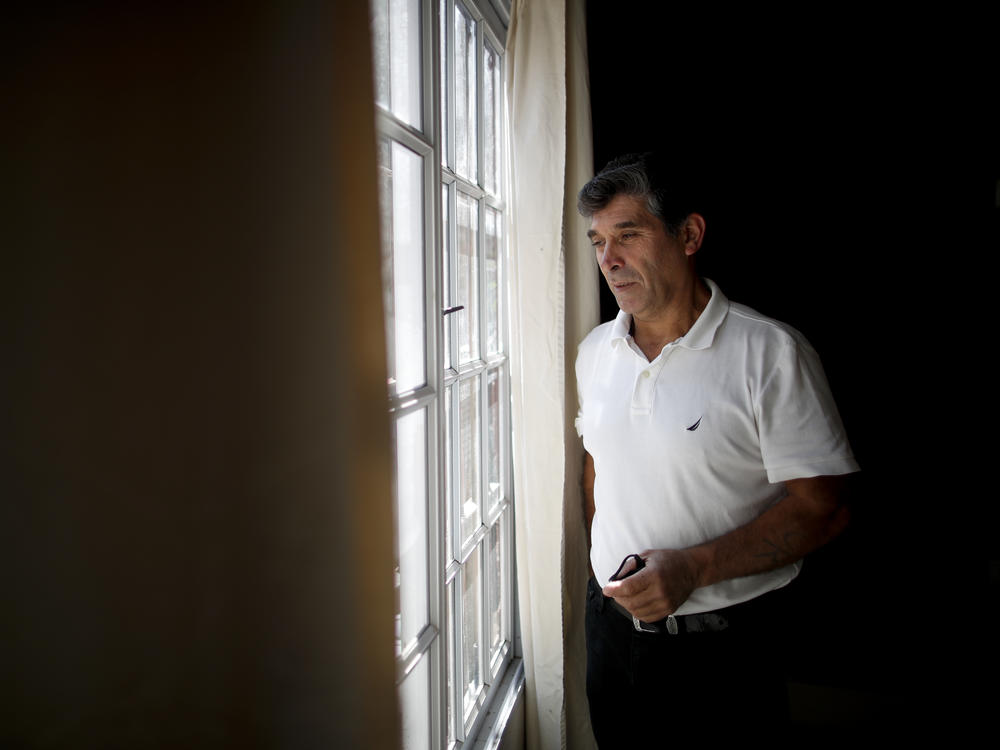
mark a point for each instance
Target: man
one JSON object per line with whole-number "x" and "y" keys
{"x": 714, "y": 456}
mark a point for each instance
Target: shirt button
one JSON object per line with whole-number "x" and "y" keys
{"x": 645, "y": 373}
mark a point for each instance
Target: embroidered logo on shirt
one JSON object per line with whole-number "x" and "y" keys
{"x": 694, "y": 427}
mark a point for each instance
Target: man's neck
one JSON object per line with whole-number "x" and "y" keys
{"x": 653, "y": 334}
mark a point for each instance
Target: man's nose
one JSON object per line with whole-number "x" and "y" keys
{"x": 609, "y": 259}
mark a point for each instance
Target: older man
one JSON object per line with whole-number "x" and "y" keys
{"x": 714, "y": 461}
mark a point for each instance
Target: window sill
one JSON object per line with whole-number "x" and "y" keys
{"x": 500, "y": 725}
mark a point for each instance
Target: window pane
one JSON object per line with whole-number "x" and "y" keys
{"x": 402, "y": 216}
{"x": 495, "y": 586}
{"x": 449, "y": 320}
{"x": 411, "y": 526}
{"x": 443, "y": 17}
{"x": 491, "y": 119}
{"x": 468, "y": 278}
{"x": 404, "y": 64}
{"x": 450, "y": 644}
{"x": 493, "y": 432}
{"x": 449, "y": 483}
{"x": 471, "y": 628}
{"x": 415, "y": 701}
{"x": 468, "y": 412}
{"x": 492, "y": 231}
{"x": 380, "y": 51}
{"x": 465, "y": 94}
{"x": 385, "y": 230}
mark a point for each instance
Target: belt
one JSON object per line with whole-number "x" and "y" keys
{"x": 703, "y": 622}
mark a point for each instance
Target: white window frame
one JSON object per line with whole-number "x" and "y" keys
{"x": 500, "y": 672}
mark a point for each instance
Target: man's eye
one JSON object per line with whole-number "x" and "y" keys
{"x": 597, "y": 243}
{"x": 628, "y": 235}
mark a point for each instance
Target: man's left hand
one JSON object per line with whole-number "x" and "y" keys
{"x": 660, "y": 588}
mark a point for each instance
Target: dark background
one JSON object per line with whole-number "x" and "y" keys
{"x": 851, "y": 172}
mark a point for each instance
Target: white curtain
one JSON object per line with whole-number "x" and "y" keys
{"x": 554, "y": 302}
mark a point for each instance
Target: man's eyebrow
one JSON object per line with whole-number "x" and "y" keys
{"x": 628, "y": 224}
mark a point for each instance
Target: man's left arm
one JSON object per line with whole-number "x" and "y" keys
{"x": 810, "y": 515}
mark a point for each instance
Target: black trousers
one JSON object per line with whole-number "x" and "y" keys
{"x": 649, "y": 690}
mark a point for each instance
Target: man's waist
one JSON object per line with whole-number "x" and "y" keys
{"x": 761, "y": 612}
{"x": 731, "y": 592}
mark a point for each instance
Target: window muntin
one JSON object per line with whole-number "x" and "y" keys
{"x": 439, "y": 93}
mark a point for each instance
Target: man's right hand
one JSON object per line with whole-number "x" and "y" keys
{"x": 660, "y": 588}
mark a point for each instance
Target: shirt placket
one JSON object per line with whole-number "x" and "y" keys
{"x": 646, "y": 375}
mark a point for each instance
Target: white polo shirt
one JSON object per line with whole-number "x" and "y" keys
{"x": 699, "y": 441}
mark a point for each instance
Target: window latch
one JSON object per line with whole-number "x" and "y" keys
{"x": 454, "y": 309}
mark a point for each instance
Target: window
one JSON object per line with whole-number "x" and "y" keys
{"x": 439, "y": 95}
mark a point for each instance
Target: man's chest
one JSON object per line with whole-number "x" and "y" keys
{"x": 684, "y": 407}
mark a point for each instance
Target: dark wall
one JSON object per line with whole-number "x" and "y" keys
{"x": 850, "y": 192}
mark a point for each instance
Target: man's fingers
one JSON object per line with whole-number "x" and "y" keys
{"x": 635, "y": 593}
{"x": 627, "y": 586}
{"x": 648, "y": 609}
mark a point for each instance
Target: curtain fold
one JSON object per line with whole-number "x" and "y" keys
{"x": 554, "y": 302}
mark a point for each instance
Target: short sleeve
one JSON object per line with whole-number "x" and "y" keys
{"x": 801, "y": 432}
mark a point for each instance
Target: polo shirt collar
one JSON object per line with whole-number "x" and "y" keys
{"x": 702, "y": 333}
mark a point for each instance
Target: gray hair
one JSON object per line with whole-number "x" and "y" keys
{"x": 646, "y": 176}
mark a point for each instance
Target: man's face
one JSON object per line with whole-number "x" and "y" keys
{"x": 643, "y": 264}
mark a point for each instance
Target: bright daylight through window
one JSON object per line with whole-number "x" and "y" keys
{"x": 439, "y": 91}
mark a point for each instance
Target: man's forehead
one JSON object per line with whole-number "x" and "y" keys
{"x": 622, "y": 212}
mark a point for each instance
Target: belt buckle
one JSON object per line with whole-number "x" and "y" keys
{"x": 641, "y": 627}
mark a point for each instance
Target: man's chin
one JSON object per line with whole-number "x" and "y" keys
{"x": 627, "y": 303}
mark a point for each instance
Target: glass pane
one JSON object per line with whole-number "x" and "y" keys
{"x": 415, "y": 702}
{"x": 465, "y": 94}
{"x": 469, "y": 441}
{"x": 402, "y": 218}
{"x": 404, "y": 60}
{"x": 385, "y": 230}
{"x": 452, "y": 678}
{"x": 471, "y": 626}
{"x": 449, "y": 484}
{"x": 380, "y": 50}
{"x": 492, "y": 230}
{"x": 495, "y": 582}
{"x": 493, "y": 445}
{"x": 491, "y": 119}
{"x": 444, "y": 81}
{"x": 468, "y": 278}
{"x": 449, "y": 320}
{"x": 411, "y": 527}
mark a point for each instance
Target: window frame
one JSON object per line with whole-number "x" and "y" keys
{"x": 446, "y": 566}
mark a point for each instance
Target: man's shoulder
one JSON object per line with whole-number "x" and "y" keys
{"x": 599, "y": 333}
{"x": 750, "y": 324}
{"x": 594, "y": 344}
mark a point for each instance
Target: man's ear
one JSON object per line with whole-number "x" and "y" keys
{"x": 692, "y": 233}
